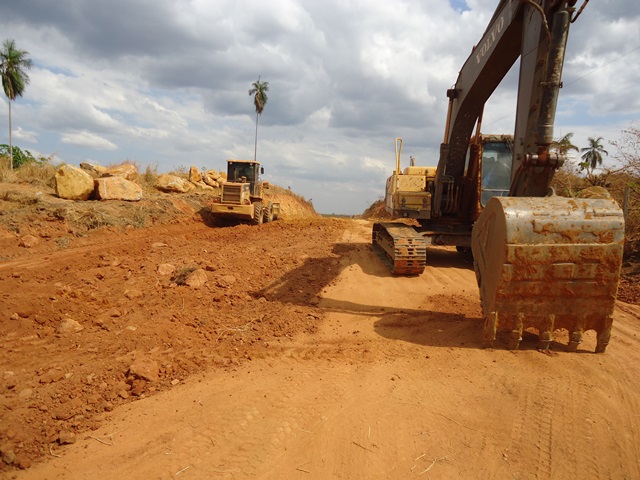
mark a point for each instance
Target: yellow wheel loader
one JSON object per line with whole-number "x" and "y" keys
{"x": 242, "y": 194}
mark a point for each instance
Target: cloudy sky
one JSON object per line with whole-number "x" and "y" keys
{"x": 165, "y": 83}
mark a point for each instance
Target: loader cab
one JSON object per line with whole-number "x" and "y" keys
{"x": 244, "y": 171}
{"x": 496, "y": 170}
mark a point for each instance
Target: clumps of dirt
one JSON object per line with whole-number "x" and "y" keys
{"x": 102, "y": 303}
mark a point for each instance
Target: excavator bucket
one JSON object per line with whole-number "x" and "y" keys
{"x": 548, "y": 263}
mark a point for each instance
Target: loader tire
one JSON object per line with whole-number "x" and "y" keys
{"x": 257, "y": 213}
{"x": 268, "y": 213}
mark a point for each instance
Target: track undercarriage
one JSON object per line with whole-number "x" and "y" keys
{"x": 401, "y": 248}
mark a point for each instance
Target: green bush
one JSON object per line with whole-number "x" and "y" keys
{"x": 19, "y": 157}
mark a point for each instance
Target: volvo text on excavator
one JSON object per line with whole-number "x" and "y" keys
{"x": 542, "y": 261}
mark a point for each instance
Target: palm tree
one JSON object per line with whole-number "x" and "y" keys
{"x": 259, "y": 91}
{"x": 592, "y": 155}
{"x": 13, "y": 66}
{"x": 563, "y": 145}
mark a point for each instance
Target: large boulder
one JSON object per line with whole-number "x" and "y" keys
{"x": 73, "y": 183}
{"x": 203, "y": 185}
{"x": 194, "y": 175}
{"x": 117, "y": 188}
{"x": 172, "y": 183}
{"x": 212, "y": 178}
{"x": 126, "y": 170}
{"x": 93, "y": 169}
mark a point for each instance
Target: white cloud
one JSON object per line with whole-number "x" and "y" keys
{"x": 89, "y": 140}
{"x": 21, "y": 134}
{"x": 166, "y": 83}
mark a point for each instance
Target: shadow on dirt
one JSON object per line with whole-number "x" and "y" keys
{"x": 369, "y": 262}
{"x": 437, "y": 257}
{"x": 304, "y": 284}
{"x": 440, "y": 257}
{"x": 440, "y": 329}
{"x": 212, "y": 221}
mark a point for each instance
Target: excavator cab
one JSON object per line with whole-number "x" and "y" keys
{"x": 496, "y": 170}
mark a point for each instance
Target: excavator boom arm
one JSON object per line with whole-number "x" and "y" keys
{"x": 536, "y": 33}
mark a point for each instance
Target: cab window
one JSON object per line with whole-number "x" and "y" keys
{"x": 496, "y": 171}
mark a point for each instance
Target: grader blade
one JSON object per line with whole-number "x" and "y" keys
{"x": 548, "y": 263}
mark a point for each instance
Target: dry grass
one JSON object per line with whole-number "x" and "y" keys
{"x": 276, "y": 190}
{"x": 40, "y": 174}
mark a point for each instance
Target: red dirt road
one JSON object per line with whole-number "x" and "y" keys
{"x": 299, "y": 358}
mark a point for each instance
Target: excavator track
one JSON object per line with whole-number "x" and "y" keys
{"x": 401, "y": 248}
{"x": 548, "y": 263}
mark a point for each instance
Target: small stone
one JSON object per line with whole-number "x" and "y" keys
{"x": 175, "y": 382}
{"x": 133, "y": 293}
{"x": 9, "y": 380}
{"x": 28, "y": 241}
{"x": 66, "y": 437}
{"x": 53, "y": 375}
{"x": 25, "y": 394}
{"x": 226, "y": 281}
{"x": 145, "y": 368}
{"x": 166, "y": 269}
{"x": 8, "y": 457}
{"x": 22, "y": 462}
{"x": 138, "y": 387}
{"x": 69, "y": 325}
{"x": 197, "y": 278}
{"x": 25, "y": 313}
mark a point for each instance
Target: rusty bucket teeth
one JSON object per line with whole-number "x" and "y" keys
{"x": 548, "y": 264}
{"x": 401, "y": 248}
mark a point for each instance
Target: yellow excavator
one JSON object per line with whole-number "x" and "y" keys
{"x": 542, "y": 261}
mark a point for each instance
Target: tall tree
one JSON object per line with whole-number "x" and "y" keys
{"x": 592, "y": 155}
{"x": 563, "y": 145}
{"x": 259, "y": 91}
{"x": 13, "y": 66}
{"x": 628, "y": 150}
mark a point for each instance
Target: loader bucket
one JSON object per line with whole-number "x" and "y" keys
{"x": 548, "y": 263}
